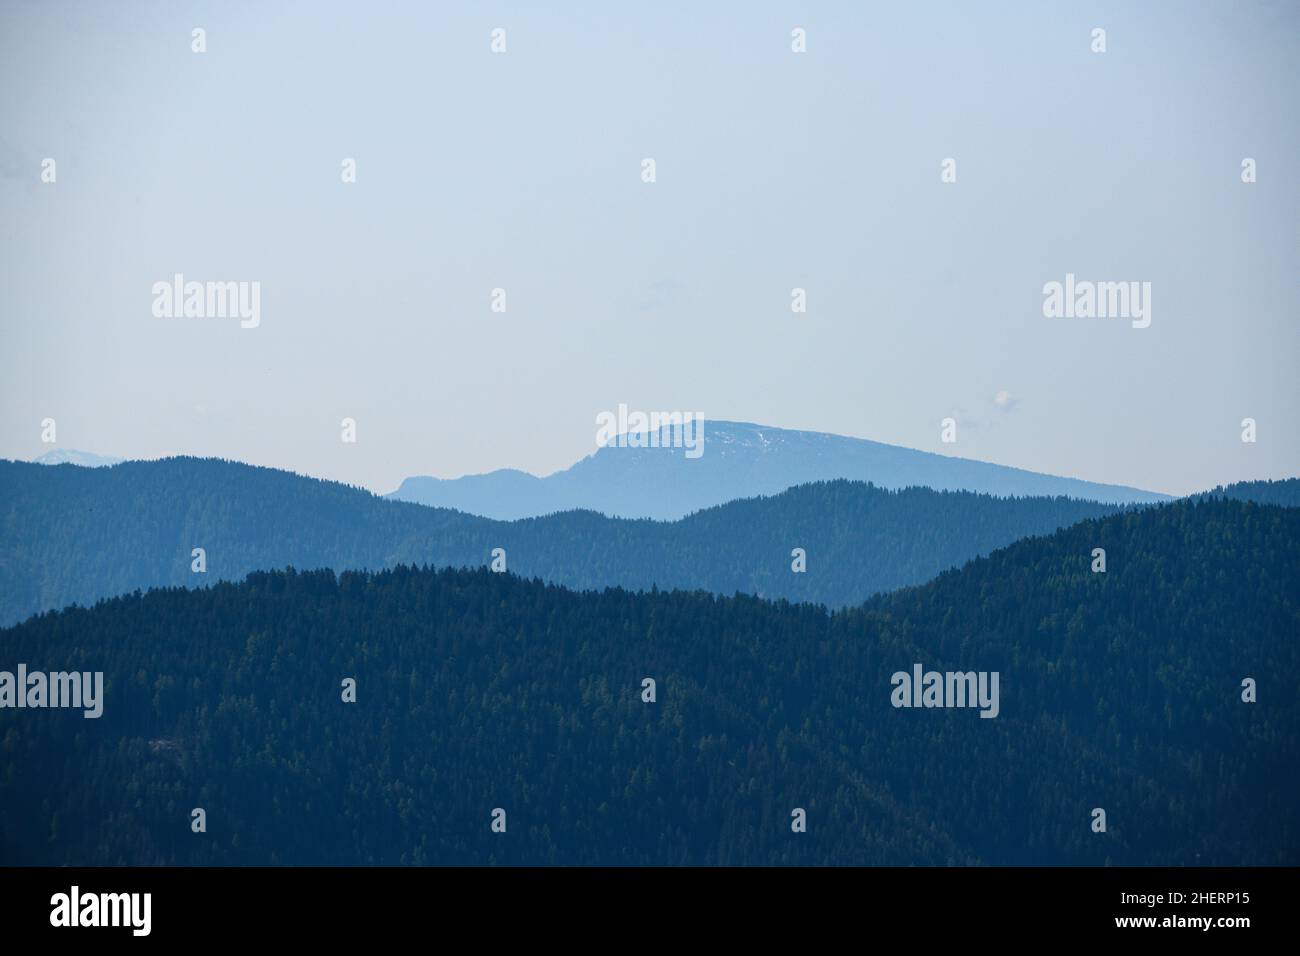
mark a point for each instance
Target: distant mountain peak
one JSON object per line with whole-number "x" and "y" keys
{"x": 738, "y": 460}
{"x": 71, "y": 456}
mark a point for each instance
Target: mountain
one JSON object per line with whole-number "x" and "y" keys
{"x": 76, "y": 535}
{"x": 1284, "y": 492}
{"x": 70, "y": 456}
{"x": 739, "y": 460}
{"x": 476, "y": 692}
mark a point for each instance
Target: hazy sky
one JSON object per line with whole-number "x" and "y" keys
{"x": 775, "y": 170}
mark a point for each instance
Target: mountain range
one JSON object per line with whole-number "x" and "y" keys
{"x": 75, "y": 535}
{"x": 483, "y": 698}
{"x": 739, "y": 460}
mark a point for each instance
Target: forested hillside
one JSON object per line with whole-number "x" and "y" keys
{"x": 1284, "y": 492}
{"x": 72, "y": 534}
{"x": 1119, "y": 690}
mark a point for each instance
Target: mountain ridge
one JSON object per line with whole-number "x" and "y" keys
{"x": 73, "y": 456}
{"x": 739, "y": 460}
{"x": 76, "y": 535}
{"x": 1120, "y": 691}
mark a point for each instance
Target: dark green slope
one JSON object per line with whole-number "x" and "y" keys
{"x": 480, "y": 690}
{"x": 1140, "y": 669}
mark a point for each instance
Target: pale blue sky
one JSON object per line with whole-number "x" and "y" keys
{"x": 775, "y": 170}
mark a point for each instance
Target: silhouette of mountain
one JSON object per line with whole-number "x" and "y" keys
{"x": 76, "y": 535}
{"x": 482, "y": 697}
{"x": 739, "y": 460}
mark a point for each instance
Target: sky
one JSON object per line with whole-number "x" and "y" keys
{"x": 774, "y": 170}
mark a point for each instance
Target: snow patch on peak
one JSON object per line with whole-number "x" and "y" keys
{"x": 84, "y": 459}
